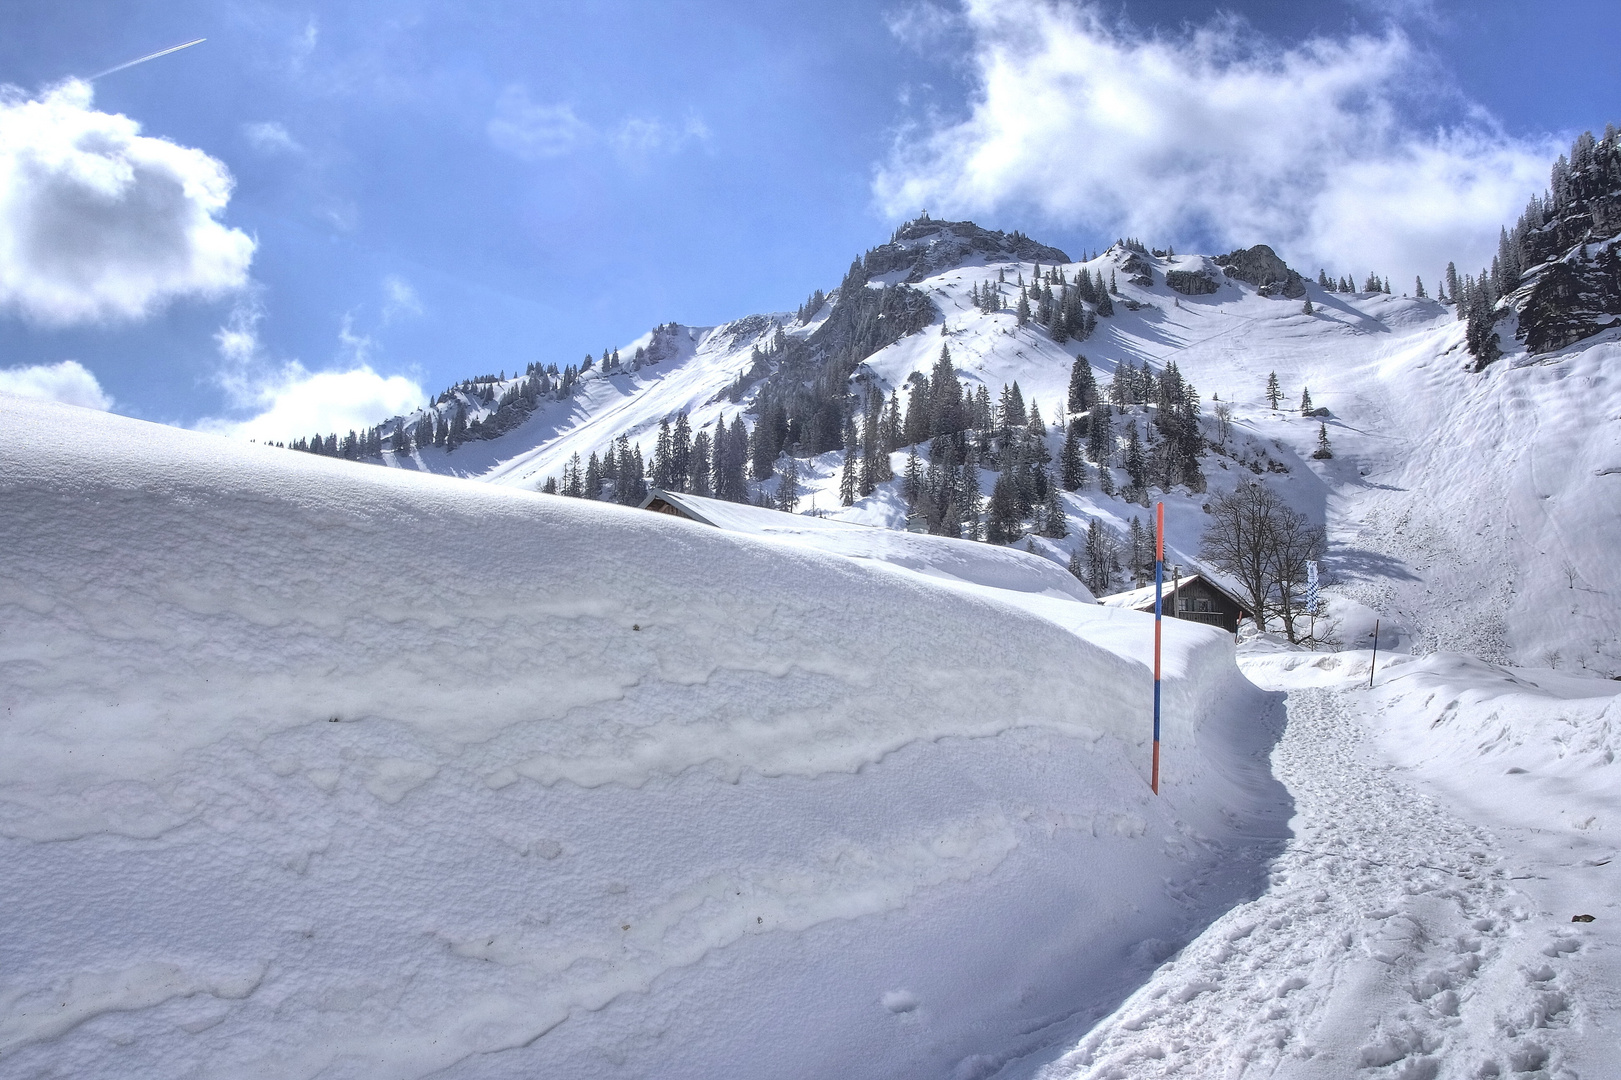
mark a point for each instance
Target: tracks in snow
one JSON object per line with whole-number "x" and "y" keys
{"x": 1391, "y": 942}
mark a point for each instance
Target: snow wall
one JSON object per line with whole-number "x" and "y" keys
{"x": 319, "y": 769}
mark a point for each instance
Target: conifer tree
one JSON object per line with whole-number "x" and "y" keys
{"x": 1099, "y": 435}
{"x": 893, "y": 437}
{"x": 1142, "y": 554}
{"x": 1305, "y": 402}
{"x": 1101, "y": 555}
{"x": 788, "y": 486}
{"x": 1083, "y": 387}
{"x": 736, "y": 457}
{"x": 1136, "y": 464}
{"x": 1274, "y": 393}
{"x": 698, "y": 476}
{"x": 1106, "y": 481}
{"x": 1055, "y": 526}
{"x": 969, "y": 498}
{"x": 1418, "y": 288}
{"x": 550, "y": 486}
{"x": 593, "y": 477}
{"x": 1077, "y": 564}
{"x": 945, "y": 406}
{"x": 1324, "y": 451}
{"x": 1481, "y": 334}
{"x": 1002, "y": 524}
{"x": 917, "y": 411}
{"x": 847, "y": 477}
{"x": 912, "y": 481}
{"x": 1306, "y": 308}
{"x": 662, "y": 457}
{"x": 1104, "y": 304}
{"x": 1071, "y": 468}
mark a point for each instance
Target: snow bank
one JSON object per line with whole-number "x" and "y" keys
{"x": 317, "y": 769}
{"x": 932, "y": 556}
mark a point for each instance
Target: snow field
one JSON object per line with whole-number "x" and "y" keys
{"x": 313, "y": 769}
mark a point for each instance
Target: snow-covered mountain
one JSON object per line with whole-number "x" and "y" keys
{"x": 1470, "y": 510}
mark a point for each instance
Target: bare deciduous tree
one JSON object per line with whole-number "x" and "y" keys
{"x": 1264, "y": 545}
{"x": 1224, "y": 421}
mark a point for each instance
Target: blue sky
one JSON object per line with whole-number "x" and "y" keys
{"x": 426, "y": 191}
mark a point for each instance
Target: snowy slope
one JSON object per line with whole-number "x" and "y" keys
{"x": 309, "y": 769}
{"x": 937, "y": 557}
{"x": 1473, "y": 512}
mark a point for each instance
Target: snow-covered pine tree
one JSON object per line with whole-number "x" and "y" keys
{"x": 1305, "y": 401}
{"x": 1323, "y": 451}
{"x": 1274, "y": 393}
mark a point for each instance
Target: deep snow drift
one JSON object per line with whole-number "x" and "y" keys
{"x": 314, "y": 769}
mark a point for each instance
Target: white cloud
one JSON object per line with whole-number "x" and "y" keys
{"x": 399, "y": 299}
{"x": 287, "y": 401}
{"x": 68, "y": 382}
{"x": 98, "y": 222}
{"x": 923, "y": 25}
{"x": 271, "y": 137}
{"x": 297, "y": 403}
{"x": 1214, "y": 135}
{"x": 640, "y": 137}
{"x": 530, "y": 131}
{"x": 534, "y": 132}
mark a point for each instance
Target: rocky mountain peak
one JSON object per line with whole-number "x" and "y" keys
{"x": 924, "y": 246}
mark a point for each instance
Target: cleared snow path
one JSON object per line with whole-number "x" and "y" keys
{"x": 1392, "y": 942}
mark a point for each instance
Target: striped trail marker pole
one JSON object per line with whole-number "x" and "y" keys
{"x": 1311, "y": 599}
{"x": 1159, "y": 589}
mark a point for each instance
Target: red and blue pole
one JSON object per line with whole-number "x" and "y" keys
{"x": 1159, "y": 588}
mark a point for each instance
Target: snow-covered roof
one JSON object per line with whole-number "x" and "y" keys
{"x": 932, "y": 556}
{"x": 1143, "y": 599}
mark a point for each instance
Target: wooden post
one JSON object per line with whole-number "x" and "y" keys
{"x": 1159, "y": 588}
{"x": 1375, "y": 659}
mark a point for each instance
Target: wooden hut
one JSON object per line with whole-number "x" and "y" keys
{"x": 1193, "y": 597}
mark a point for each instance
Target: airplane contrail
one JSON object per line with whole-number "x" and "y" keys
{"x": 148, "y": 56}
